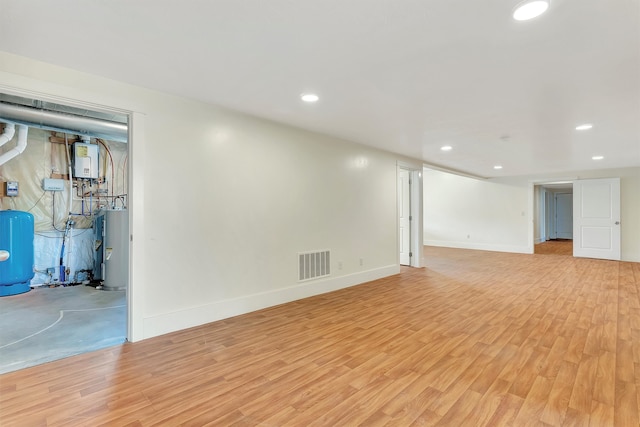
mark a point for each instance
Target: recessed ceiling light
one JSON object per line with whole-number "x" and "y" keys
{"x": 446, "y": 148}
{"x": 497, "y": 167}
{"x": 309, "y": 97}
{"x": 597, "y": 157}
{"x": 585, "y": 126}
{"x": 529, "y": 9}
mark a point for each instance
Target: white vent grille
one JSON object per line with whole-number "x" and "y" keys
{"x": 312, "y": 265}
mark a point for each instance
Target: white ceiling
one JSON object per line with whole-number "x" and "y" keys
{"x": 407, "y": 76}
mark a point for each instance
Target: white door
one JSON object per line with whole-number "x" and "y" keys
{"x": 596, "y": 221}
{"x": 564, "y": 216}
{"x": 404, "y": 215}
{"x": 550, "y": 225}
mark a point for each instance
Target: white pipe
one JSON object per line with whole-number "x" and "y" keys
{"x": 7, "y": 135}
{"x": 21, "y": 144}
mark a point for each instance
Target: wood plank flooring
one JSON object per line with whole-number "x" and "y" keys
{"x": 555, "y": 247}
{"x": 474, "y": 339}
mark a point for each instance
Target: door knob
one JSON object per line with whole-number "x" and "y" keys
{"x": 617, "y": 222}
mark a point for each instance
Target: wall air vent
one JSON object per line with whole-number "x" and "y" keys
{"x": 312, "y": 265}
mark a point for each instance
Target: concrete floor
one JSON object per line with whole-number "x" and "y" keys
{"x": 47, "y": 324}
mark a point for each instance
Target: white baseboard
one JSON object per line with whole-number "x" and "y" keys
{"x": 479, "y": 246}
{"x": 195, "y": 316}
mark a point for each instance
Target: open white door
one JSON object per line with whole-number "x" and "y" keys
{"x": 596, "y": 221}
{"x": 404, "y": 215}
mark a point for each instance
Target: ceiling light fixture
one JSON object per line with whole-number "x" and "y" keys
{"x": 309, "y": 97}
{"x": 597, "y": 157}
{"x": 585, "y": 126}
{"x": 530, "y": 9}
{"x": 496, "y": 167}
{"x": 446, "y": 148}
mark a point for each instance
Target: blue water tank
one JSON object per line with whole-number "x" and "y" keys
{"x": 16, "y": 252}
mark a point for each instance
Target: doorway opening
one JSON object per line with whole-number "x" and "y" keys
{"x": 595, "y": 216}
{"x": 72, "y": 175}
{"x": 553, "y": 218}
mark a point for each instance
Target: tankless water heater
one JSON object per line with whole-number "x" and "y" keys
{"x": 85, "y": 160}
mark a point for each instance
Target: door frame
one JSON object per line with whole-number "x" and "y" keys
{"x": 535, "y": 215}
{"x": 135, "y": 153}
{"x": 547, "y": 214}
{"x": 417, "y": 230}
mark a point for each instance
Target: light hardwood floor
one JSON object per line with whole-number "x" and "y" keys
{"x": 475, "y": 338}
{"x": 555, "y": 247}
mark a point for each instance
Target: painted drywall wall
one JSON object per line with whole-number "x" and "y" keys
{"x": 222, "y": 203}
{"x": 539, "y": 227}
{"x": 499, "y": 214}
{"x": 464, "y": 212}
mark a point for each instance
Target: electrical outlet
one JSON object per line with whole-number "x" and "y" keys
{"x": 361, "y": 261}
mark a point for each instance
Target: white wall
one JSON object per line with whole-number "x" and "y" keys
{"x": 498, "y": 214}
{"x": 221, "y": 203}
{"x": 539, "y": 211}
{"x": 463, "y": 212}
